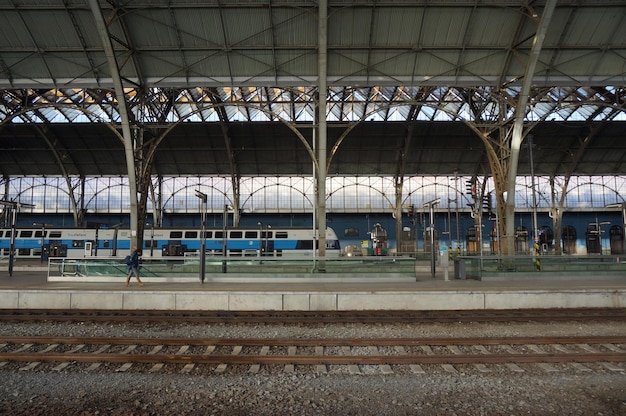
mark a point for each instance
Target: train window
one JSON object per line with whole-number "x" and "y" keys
{"x": 191, "y": 234}
{"x": 8, "y": 234}
{"x": 78, "y": 243}
{"x": 40, "y": 233}
{"x": 1, "y": 232}
{"x": 23, "y": 251}
{"x": 267, "y": 234}
{"x": 351, "y": 232}
{"x": 55, "y": 234}
{"x": 219, "y": 234}
{"x": 176, "y": 234}
{"x": 107, "y": 244}
{"x": 252, "y": 234}
{"x": 281, "y": 234}
{"x": 208, "y": 234}
{"x": 147, "y": 243}
{"x": 236, "y": 234}
{"x": 26, "y": 233}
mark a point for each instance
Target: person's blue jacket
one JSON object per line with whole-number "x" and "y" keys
{"x": 134, "y": 260}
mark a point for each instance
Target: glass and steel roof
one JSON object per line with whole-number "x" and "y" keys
{"x": 210, "y": 85}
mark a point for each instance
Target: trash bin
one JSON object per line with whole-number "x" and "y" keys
{"x": 459, "y": 269}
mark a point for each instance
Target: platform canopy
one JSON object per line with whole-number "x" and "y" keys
{"x": 223, "y": 86}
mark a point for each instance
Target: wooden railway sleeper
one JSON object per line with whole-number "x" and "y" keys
{"x": 235, "y": 359}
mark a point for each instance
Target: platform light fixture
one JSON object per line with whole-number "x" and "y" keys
{"x": 151, "y": 225}
{"x": 227, "y": 207}
{"x": 260, "y": 224}
{"x": 203, "y": 199}
{"x": 13, "y": 206}
{"x": 431, "y": 206}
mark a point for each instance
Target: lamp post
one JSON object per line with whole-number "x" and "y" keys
{"x": 96, "y": 243}
{"x": 456, "y": 205}
{"x": 431, "y": 206}
{"x": 260, "y": 224}
{"x": 263, "y": 238}
{"x": 203, "y": 198}
{"x": 152, "y": 240}
{"x": 12, "y": 243}
{"x": 224, "y": 221}
{"x": 225, "y": 236}
{"x": 13, "y": 206}
{"x": 116, "y": 229}
{"x": 534, "y": 193}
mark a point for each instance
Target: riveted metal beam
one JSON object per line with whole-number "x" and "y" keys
{"x": 518, "y": 125}
{"x": 124, "y": 118}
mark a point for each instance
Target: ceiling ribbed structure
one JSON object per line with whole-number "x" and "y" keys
{"x": 53, "y": 43}
{"x": 216, "y": 84}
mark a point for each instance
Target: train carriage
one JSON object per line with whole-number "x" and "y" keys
{"x": 161, "y": 242}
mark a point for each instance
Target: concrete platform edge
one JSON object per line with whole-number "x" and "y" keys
{"x": 142, "y": 299}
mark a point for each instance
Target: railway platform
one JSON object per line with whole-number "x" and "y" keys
{"x": 29, "y": 288}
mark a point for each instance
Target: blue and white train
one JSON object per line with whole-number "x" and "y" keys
{"x": 163, "y": 242}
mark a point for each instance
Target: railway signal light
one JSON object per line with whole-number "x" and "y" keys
{"x": 470, "y": 187}
{"x": 487, "y": 203}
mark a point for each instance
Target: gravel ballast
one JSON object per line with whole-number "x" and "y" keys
{"x": 462, "y": 390}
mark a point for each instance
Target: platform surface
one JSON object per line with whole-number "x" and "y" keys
{"x": 28, "y": 288}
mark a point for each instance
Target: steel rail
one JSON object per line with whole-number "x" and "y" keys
{"x": 318, "y": 359}
{"x": 315, "y": 317}
{"x": 327, "y": 357}
{"x": 18, "y": 339}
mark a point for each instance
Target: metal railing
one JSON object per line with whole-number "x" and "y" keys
{"x": 546, "y": 266}
{"x": 188, "y": 267}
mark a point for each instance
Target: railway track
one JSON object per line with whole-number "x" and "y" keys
{"x": 305, "y": 317}
{"x": 219, "y": 353}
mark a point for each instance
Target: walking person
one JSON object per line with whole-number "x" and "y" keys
{"x": 132, "y": 265}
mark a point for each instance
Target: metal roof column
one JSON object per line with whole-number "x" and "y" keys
{"x": 121, "y": 103}
{"x": 322, "y": 62}
{"x": 520, "y": 115}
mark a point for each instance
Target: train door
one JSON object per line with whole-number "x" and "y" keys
{"x": 56, "y": 249}
{"x": 88, "y": 245}
{"x": 268, "y": 247}
{"x": 569, "y": 239}
{"x": 267, "y": 243}
{"x": 592, "y": 237}
{"x": 173, "y": 248}
{"x": 521, "y": 240}
{"x": 616, "y": 236}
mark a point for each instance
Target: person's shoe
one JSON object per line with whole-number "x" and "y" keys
{"x": 127, "y": 284}
{"x": 140, "y": 284}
